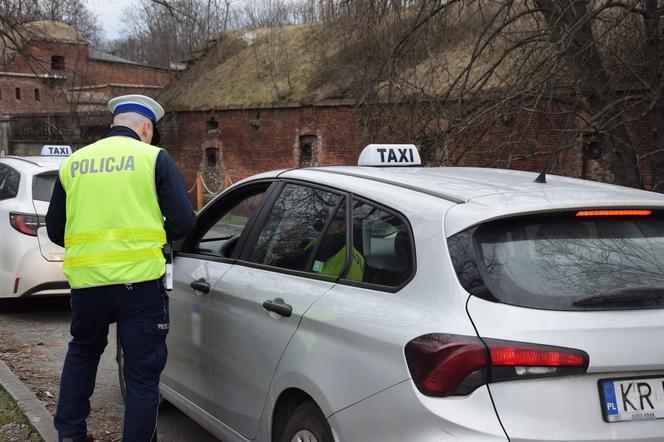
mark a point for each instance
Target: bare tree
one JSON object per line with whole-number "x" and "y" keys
{"x": 473, "y": 72}
{"x": 467, "y": 79}
{"x": 14, "y": 13}
{"x": 162, "y": 32}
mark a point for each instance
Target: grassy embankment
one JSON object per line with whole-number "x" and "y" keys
{"x": 13, "y": 423}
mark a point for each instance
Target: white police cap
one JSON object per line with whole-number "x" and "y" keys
{"x": 390, "y": 155}
{"x": 137, "y": 103}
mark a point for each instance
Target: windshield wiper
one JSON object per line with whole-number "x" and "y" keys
{"x": 626, "y": 295}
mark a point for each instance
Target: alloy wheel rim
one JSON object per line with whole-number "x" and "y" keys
{"x": 304, "y": 436}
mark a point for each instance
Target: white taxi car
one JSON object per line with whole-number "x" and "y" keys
{"x": 30, "y": 264}
{"x": 388, "y": 303}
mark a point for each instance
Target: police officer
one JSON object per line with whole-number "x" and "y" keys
{"x": 115, "y": 205}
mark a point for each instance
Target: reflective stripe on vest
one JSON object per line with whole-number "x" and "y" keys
{"x": 115, "y": 235}
{"x": 112, "y": 257}
{"x": 115, "y": 229}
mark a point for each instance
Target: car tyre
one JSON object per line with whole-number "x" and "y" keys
{"x": 307, "y": 424}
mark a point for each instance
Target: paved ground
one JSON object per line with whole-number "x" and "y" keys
{"x": 33, "y": 342}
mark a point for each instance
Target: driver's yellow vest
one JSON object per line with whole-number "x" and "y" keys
{"x": 115, "y": 230}
{"x": 335, "y": 264}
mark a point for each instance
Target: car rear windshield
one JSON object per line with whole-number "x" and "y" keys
{"x": 42, "y": 186}
{"x": 565, "y": 262}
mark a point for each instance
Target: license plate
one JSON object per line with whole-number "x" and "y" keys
{"x": 632, "y": 398}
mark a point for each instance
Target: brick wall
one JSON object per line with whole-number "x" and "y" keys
{"x": 32, "y": 69}
{"x": 35, "y": 57}
{"x": 52, "y": 96}
{"x": 100, "y": 72}
{"x": 640, "y": 131}
{"x": 251, "y": 141}
{"x": 254, "y": 141}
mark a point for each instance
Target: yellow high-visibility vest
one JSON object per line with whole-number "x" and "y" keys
{"x": 115, "y": 230}
{"x": 335, "y": 263}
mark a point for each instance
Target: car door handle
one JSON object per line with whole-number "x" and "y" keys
{"x": 201, "y": 285}
{"x": 279, "y": 307}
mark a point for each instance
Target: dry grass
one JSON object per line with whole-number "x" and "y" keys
{"x": 357, "y": 61}
{"x": 13, "y": 423}
{"x": 275, "y": 67}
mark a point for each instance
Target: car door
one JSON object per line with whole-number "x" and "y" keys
{"x": 42, "y": 189}
{"x": 201, "y": 260}
{"x": 257, "y": 305}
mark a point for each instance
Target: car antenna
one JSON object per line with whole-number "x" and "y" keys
{"x": 541, "y": 178}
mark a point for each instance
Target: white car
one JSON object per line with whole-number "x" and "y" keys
{"x": 470, "y": 305}
{"x": 30, "y": 264}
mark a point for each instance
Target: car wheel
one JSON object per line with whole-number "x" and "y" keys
{"x": 307, "y": 424}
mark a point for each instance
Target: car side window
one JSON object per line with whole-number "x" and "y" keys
{"x": 9, "y": 181}
{"x": 384, "y": 242}
{"x": 3, "y": 180}
{"x": 42, "y": 186}
{"x": 295, "y": 233}
{"x": 220, "y": 238}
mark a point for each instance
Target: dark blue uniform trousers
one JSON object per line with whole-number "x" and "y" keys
{"x": 141, "y": 313}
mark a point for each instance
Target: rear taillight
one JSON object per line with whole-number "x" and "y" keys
{"x": 454, "y": 365}
{"x": 26, "y": 223}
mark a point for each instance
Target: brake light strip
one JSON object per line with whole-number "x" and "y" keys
{"x": 629, "y": 212}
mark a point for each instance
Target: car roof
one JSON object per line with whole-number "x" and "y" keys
{"x": 461, "y": 184}
{"x": 29, "y": 162}
{"x": 480, "y": 194}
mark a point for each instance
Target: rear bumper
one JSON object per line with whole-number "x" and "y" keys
{"x": 401, "y": 413}
{"x": 48, "y": 289}
{"x": 37, "y": 276}
{"x": 566, "y": 409}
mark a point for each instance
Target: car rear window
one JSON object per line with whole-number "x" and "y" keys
{"x": 565, "y": 262}
{"x": 42, "y": 186}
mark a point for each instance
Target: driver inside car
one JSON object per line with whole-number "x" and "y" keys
{"x": 330, "y": 254}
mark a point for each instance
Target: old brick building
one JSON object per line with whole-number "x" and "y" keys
{"x": 256, "y": 101}
{"x": 54, "y": 86}
{"x": 228, "y": 145}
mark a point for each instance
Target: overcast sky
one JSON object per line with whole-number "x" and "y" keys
{"x": 110, "y": 14}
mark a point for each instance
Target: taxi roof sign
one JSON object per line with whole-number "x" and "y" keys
{"x": 402, "y": 155}
{"x": 55, "y": 150}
